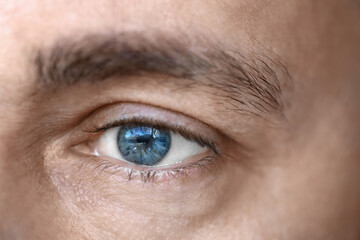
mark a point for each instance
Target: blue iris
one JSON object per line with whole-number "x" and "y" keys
{"x": 143, "y": 145}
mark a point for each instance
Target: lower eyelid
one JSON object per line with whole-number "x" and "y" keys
{"x": 130, "y": 172}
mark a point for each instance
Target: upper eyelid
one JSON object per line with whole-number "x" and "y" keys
{"x": 127, "y": 112}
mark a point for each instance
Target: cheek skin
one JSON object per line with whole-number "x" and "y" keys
{"x": 27, "y": 199}
{"x": 165, "y": 209}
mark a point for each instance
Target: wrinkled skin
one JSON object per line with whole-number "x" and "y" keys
{"x": 300, "y": 181}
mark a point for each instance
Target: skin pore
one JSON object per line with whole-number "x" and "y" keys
{"x": 273, "y": 85}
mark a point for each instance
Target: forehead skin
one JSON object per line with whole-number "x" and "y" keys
{"x": 310, "y": 189}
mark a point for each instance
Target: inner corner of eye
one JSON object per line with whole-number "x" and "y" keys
{"x": 142, "y": 144}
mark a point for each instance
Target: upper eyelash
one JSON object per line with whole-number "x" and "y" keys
{"x": 162, "y": 125}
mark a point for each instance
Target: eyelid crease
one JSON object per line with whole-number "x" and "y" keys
{"x": 134, "y": 108}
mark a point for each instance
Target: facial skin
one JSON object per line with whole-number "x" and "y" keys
{"x": 274, "y": 84}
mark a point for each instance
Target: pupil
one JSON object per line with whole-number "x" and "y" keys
{"x": 143, "y": 145}
{"x": 144, "y": 139}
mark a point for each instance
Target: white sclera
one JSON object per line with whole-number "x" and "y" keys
{"x": 181, "y": 149}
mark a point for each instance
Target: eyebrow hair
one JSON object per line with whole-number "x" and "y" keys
{"x": 248, "y": 84}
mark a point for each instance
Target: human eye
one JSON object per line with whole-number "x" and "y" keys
{"x": 149, "y": 144}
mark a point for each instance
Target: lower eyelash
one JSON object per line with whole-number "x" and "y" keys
{"x": 157, "y": 175}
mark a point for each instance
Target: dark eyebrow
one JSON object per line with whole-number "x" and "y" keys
{"x": 248, "y": 84}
